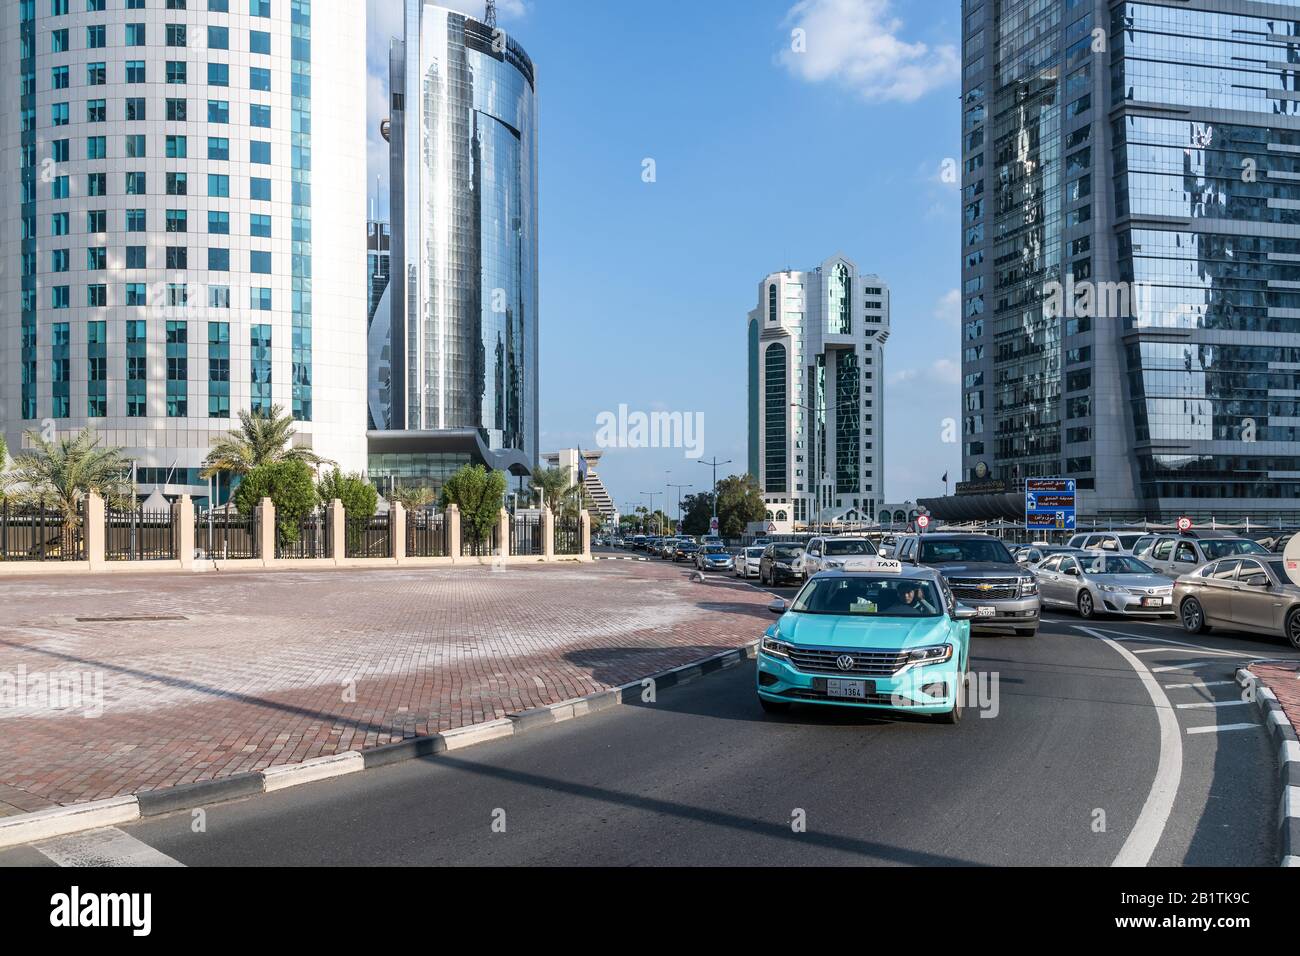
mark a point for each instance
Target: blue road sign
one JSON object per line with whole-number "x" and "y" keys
{"x": 1050, "y": 504}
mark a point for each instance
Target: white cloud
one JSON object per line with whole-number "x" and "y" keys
{"x": 941, "y": 372}
{"x": 948, "y": 308}
{"x": 857, "y": 44}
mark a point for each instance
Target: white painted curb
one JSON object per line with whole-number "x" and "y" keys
{"x": 477, "y": 733}
{"x": 60, "y": 821}
{"x": 309, "y": 771}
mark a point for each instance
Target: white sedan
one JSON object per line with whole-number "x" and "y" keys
{"x": 747, "y": 562}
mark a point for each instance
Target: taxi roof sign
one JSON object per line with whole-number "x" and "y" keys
{"x": 874, "y": 565}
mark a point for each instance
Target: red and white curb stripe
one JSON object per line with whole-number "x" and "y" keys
{"x": 1288, "y": 762}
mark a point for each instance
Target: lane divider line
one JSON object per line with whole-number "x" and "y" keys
{"x": 1288, "y": 763}
{"x": 1156, "y": 810}
{"x": 1200, "y": 684}
{"x": 1181, "y": 667}
{"x": 107, "y": 847}
{"x": 1221, "y": 728}
{"x": 1212, "y": 704}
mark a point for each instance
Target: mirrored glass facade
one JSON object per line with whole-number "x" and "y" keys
{"x": 1131, "y": 252}
{"x": 464, "y": 231}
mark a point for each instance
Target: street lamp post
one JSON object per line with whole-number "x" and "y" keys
{"x": 652, "y": 495}
{"x": 714, "y": 464}
{"x": 680, "y": 489}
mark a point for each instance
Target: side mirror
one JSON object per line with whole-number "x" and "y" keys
{"x": 1072, "y": 572}
{"x": 964, "y": 613}
{"x": 777, "y": 607}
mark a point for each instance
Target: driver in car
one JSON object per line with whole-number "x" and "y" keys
{"x": 911, "y": 600}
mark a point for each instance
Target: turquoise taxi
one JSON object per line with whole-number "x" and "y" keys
{"x": 873, "y": 634}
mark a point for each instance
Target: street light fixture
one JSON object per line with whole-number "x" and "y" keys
{"x": 652, "y": 495}
{"x": 680, "y": 489}
{"x": 715, "y": 463}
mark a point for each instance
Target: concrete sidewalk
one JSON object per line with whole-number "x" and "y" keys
{"x": 201, "y": 677}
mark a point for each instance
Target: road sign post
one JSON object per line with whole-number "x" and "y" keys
{"x": 1050, "y": 504}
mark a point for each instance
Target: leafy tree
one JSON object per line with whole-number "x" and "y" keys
{"x": 740, "y": 501}
{"x": 56, "y": 474}
{"x": 479, "y": 494}
{"x": 413, "y": 499}
{"x": 290, "y": 486}
{"x": 358, "y": 495}
{"x": 260, "y": 439}
{"x": 696, "y": 511}
{"x": 554, "y": 485}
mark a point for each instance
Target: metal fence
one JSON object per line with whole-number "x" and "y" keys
{"x": 526, "y": 535}
{"x": 311, "y": 538}
{"x": 368, "y": 537}
{"x": 140, "y": 535}
{"x": 226, "y": 535}
{"x": 568, "y": 535}
{"x": 426, "y": 535}
{"x": 485, "y": 548}
{"x": 34, "y": 534}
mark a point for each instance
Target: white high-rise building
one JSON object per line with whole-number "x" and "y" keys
{"x": 182, "y": 230}
{"x": 816, "y": 393}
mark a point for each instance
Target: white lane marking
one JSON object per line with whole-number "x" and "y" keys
{"x": 1164, "y": 641}
{"x": 1201, "y": 685}
{"x": 107, "y": 847}
{"x": 1150, "y": 826}
{"x": 1211, "y": 704}
{"x": 1187, "y": 651}
{"x": 1181, "y": 667}
{"x": 1220, "y": 728}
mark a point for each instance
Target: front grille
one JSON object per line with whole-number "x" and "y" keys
{"x": 865, "y": 663}
{"x": 890, "y": 700}
{"x": 997, "y": 588}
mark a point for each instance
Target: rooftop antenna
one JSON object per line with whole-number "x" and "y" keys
{"x": 490, "y": 17}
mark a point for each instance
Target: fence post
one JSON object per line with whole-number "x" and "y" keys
{"x": 503, "y": 534}
{"x": 453, "y": 531}
{"x": 584, "y": 529}
{"x": 548, "y": 534}
{"x": 267, "y": 535}
{"x": 338, "y": 520}
{"x": 185, "y": 534}
{"x": 397, "y": 531}
{"x": 94, "y": 532}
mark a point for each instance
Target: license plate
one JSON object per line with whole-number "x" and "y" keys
{"x": 1153, "y": 602}
{"x": 986, "y": 611}
{"x": 850, "y": 689}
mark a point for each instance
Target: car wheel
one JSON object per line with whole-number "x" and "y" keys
{"x": 1087, "y": 609}
{"x": 1193, "y": 617}
{"x": 1293, "y": 628}
{"x": 773, "y": 706}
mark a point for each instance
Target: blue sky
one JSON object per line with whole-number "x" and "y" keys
{"x": 766, "y": 158}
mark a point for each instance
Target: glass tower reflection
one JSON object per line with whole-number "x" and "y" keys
{"x": 464, "y": 249}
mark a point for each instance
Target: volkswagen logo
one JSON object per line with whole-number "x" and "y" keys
{"x": 844, "y": 662}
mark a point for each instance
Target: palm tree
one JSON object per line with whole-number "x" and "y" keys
{"x": 413, "y": 499}
{"x": 56, "y": 474}
{"x": 554, "y": 485}
{"x": 260, "y": 439}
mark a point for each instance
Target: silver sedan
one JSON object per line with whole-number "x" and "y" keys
{"x": 1101, "y": 583}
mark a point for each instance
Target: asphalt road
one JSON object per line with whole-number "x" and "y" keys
{"x": 1067, "y": 764}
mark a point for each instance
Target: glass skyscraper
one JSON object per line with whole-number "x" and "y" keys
{"x": 463, "y": 298}
{"x": 1131, "y": 253}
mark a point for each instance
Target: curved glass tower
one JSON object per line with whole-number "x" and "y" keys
{"x": 464, "y": 246}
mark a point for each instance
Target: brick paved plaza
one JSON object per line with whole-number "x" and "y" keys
{"x": 217, "y": 674}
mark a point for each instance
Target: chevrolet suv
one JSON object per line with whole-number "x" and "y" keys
{"x": 982, "y": 574}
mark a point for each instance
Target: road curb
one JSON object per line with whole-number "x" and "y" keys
{"x": 1288, "y": 762}
{"x": 26, "y": 828}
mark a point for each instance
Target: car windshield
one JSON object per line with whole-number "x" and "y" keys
{"x": 857, "y": 596}
{"x": 1114, "y": 564}
{"x": 850, "y": 547}
{"x": 753, "y": 552}
{"x": 969, "y": 549}
{"x": 1223, "y": 548}
{"x": 714, "y": 549}
{"x": 1128, "y": 540}
{"x": 689, "y": 546}
{"x": 787, "y": 551}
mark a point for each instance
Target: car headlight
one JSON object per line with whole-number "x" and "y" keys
{"x": 775, "y": 648}
{"x": 834, "y": 564}
{"x": 1113, "y": 589}
{"x": 783, "y": 566}
{"x": 930, "y": 655}
{"x": 1028, "y": 587}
